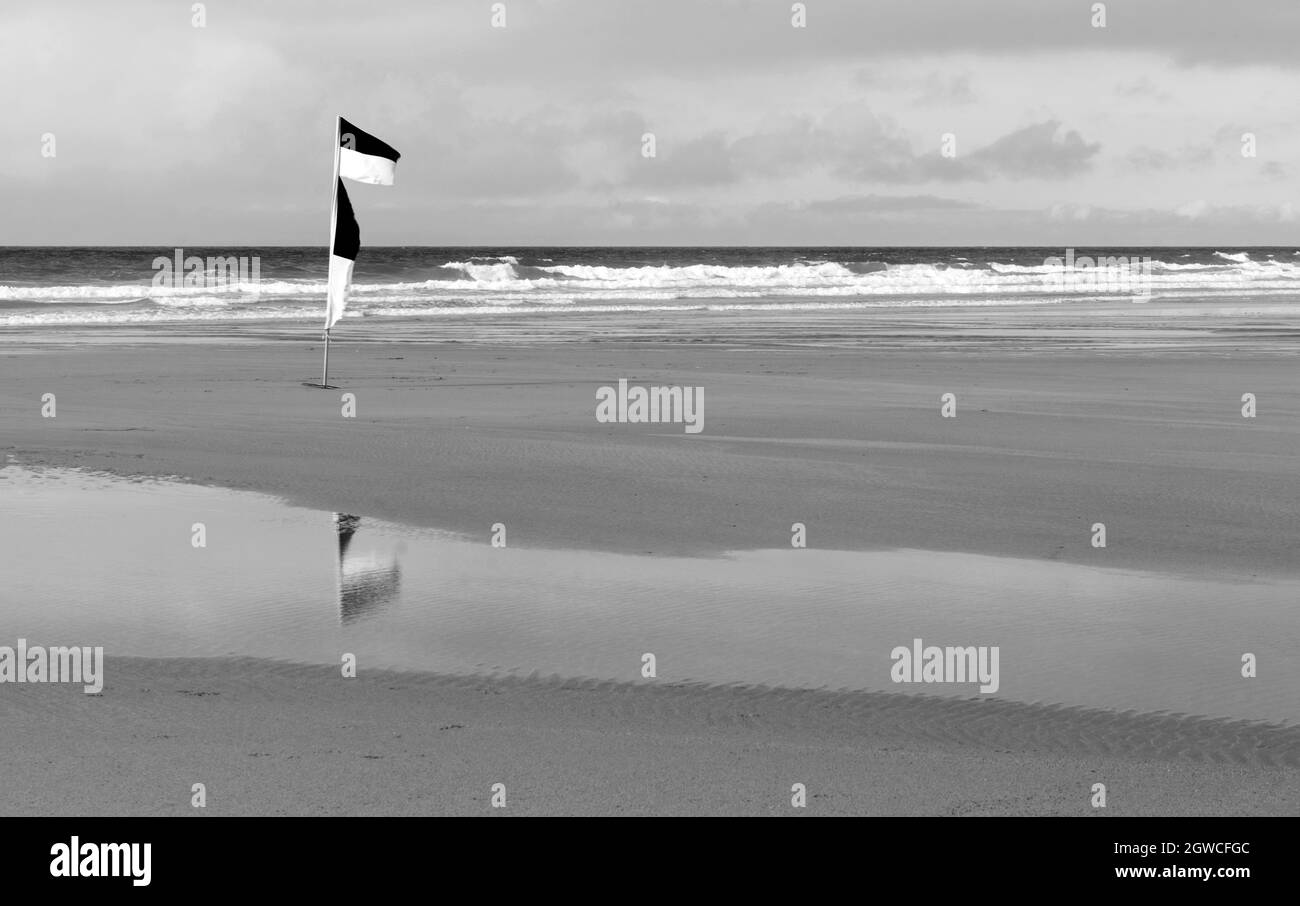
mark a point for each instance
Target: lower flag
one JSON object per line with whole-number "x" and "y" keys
{"x": 345, "y": 242}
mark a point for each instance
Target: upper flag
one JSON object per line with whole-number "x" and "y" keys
{"x": 361, "y": 157}
{"x": 364, "y": 158}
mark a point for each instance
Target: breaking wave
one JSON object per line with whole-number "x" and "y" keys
{"x": 467, "y": 284}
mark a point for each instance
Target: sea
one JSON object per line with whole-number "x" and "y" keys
{"x": 143, "y": 286}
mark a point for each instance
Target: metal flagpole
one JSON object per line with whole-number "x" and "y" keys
{"x": 334, "y": 220}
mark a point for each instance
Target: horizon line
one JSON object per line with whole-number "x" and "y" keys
{"x": 508, "y": 245}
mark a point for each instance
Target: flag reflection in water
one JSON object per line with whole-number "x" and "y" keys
{"x": 368, "y": 581}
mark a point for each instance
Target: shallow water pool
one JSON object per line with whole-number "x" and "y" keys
{"x": 94, "y": 560}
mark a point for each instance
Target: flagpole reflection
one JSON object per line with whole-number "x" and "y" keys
{"x": 367, "y": 581}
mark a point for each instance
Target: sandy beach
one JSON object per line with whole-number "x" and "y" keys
{"x": 835, "y": 424}
{"x": 1134, "y": 422}
{"x": 275, "y": 739}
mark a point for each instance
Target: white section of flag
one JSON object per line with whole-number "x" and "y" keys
{"x": 337, "y": 293}
{"x": 369, "y": 168}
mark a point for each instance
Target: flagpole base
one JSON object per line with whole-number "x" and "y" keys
{"x": 320, "y": 386}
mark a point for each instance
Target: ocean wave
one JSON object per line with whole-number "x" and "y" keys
{"x": 466, "y": 307}
{"x": 782, "y": 280}
{"x": 109, "y": 294}
{"x": 472, "y": 283}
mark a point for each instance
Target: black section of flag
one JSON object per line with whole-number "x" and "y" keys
{"x": 364, "y": 143}
{"x": 347, "y": 235}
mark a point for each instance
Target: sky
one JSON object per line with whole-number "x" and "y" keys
{"x": 1058, "y": 132}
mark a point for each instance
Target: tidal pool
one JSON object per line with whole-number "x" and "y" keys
{"x": 93, "y": 560}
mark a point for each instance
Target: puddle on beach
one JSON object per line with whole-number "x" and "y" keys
{"x": 93, "y": 560}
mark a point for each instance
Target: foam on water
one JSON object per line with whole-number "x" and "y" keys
{"x": 87, "y": 286}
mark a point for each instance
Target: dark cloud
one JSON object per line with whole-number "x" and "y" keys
{"x": 852, "y": 143}
{"x": 602, "y": 36}
{"x": 585, "y": 39}
{"x": 704, "y": 161}
{"x": 1040, "y": 151}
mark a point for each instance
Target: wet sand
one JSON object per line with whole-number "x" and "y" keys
{"x": 847, "y": 438}
{"x": 271, "y": 739}
{"x": 835, "y": 424}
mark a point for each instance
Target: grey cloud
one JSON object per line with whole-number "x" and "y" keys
{"x": 581, "y": 39}
{"x": 1147, "y": 159}
{"x": 614, "y": 126}
{"x": 935, "y": 89}
{"x": 1040, "y": 151}
{"x": 704, "y": 161}
{"x": 585, "y": 36}
{"x": 851, "y": 143}
{"x": 523, "y": 134}
{"x": 883, "y": 204}
{"x": 500, "y": 157}
{"x": 1231, "y": 133}
{"x": 1141, "y": 87}
{"x": 946, "y": 90}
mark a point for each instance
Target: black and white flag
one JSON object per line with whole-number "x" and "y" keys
{"x": 361, "y": 157}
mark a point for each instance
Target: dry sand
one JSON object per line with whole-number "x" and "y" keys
{"x": 835, "y": 424}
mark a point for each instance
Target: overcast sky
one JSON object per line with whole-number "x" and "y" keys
{"x": 1065, "y": 134}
